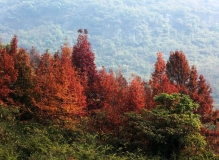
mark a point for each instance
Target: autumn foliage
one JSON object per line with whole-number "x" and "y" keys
{"x": 82, "y": 59}
{"x": 8, "y": 74}
{"x": 159, "y": 82}
{"x": 66, "y": 85}
{"x": 59, "y": 92}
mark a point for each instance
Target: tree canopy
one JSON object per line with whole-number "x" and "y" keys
{"x": 169, "y": 116}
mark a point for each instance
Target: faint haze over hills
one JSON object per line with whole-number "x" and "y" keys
{"x": 125, "y": 33}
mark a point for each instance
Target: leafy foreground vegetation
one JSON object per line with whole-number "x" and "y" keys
{"x": 175, "y": 134}
{"x": 32, "y": 140}
{"x": 61, "y": 107}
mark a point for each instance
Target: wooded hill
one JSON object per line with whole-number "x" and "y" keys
{"x": 124, "y": 33}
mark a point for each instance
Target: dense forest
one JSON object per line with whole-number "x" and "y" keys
{"x": 60, "y": 106}
{"x": 125, "y": 90}
{"x": 124, "y": 33}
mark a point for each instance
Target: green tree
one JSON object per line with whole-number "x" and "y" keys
{"x": 171, "y": 129}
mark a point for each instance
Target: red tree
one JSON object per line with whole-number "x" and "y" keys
{"x": 192, "y": 85}
{"x": 136, "y": 95}
{"x": 83, "y": 61}
{"x": 188, "y": 83}
{"x": 116, "y": 97}
{"x": 178, "y": 70}
{"x": 46, "y": 87}
{"x": 205, "y": 100}
{"x": 13, "y": 46}
{"x": 71, "y": 92}
{"x": 60, "y": 94}
{"x": 112, "y": 93}
{"x": 200, "y": 92}
{"x": 83, "y": 57}
{"x": 8, "y": 75}
{"x": 24, "y": 85}
{"x": 159, "y": 82}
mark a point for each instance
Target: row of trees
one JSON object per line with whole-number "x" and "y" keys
{"x": 67, "y": 86}
{"x": 151, "y": 26}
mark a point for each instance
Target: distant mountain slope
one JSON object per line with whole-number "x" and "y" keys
{"x": 125, "y": 33}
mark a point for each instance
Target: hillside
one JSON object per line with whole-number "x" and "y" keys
{"x": 124, "y": 33}
{"x": 60, "y": 106}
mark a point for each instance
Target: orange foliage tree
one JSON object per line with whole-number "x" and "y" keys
{"x": 193, "y": 84}
{"x": 71, "y": 92}
{"x": 112, "y": 93}
{"x": 46, "y": 87}
{"x": 205, "y": 100}
{"x": 23, "y": 88}
{"x": 8, "y": 75}
{"x": 159, "y": 82}
{"x": 60, "y": 93}
{"x": 116, "y": 97}
{"x": 136, "y": 96}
